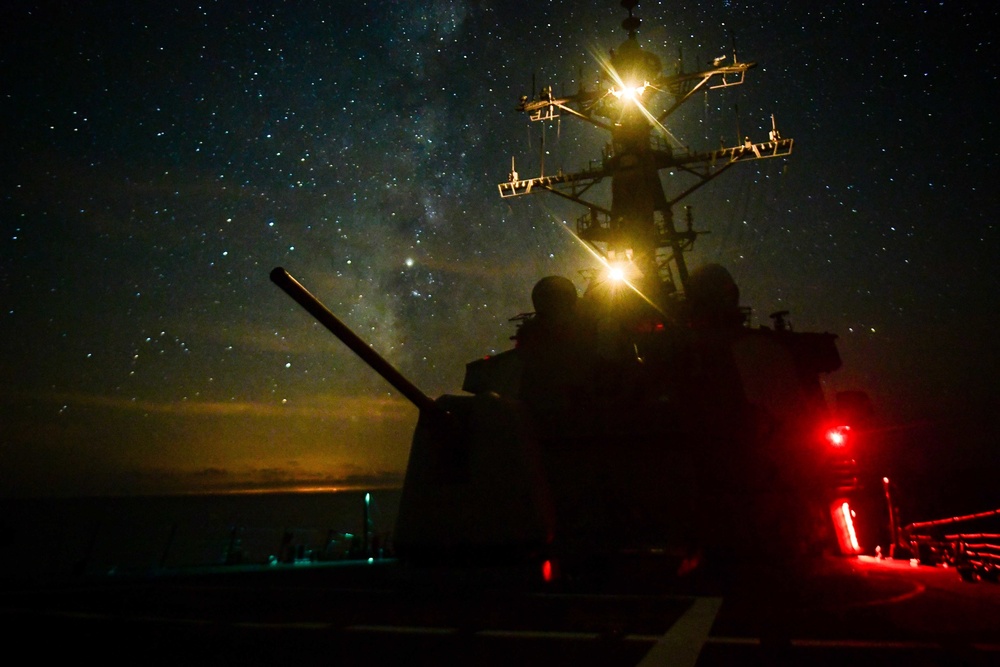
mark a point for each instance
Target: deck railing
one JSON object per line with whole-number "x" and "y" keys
{"x": 963, "y": 542}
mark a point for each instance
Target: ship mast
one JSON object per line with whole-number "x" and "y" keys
{"x": 639, "y": 227}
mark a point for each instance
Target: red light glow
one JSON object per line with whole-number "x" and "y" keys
{"x": 849, "y": 522}
{"x": 837, "y": 436}
{"x": 547, "y": 571}
{"x": 843, "y": 524}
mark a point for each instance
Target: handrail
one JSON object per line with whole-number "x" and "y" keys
{"x": 975, "y": 554}
{"x": 954, "y": 519}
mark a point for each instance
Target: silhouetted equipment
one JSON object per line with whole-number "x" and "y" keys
{"x": 969, "y": 543}
{"x": 314, "y": 307}
{"x": 645, "y": 415}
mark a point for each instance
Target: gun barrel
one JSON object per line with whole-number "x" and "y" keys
{"x": 304, "y": 298}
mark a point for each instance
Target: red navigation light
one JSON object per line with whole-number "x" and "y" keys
{"x": 547, "y": 573}
{"x": 837, "y": 436}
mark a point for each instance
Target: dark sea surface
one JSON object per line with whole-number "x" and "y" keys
{"x": 69, "y": 536}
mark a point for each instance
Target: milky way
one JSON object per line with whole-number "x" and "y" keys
{"x": 162, "y": 160}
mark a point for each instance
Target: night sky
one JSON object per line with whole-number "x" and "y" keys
{"x": 162, "y": 158}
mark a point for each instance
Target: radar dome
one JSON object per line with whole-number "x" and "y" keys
{"x": 712, "y": 295}
{"x": 553, "y": 296}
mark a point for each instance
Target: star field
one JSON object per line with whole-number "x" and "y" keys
{"x": 163, "y": 159}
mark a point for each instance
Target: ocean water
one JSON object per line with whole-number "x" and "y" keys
{"x": 147, "y": 534}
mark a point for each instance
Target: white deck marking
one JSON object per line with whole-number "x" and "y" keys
{"x": 682, "y": 643}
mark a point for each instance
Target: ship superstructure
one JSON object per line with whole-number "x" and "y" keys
{"x": 638, "y": 229}
{"x": 645, "y": 416}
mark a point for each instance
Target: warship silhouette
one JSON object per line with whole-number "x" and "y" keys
{"x": 645, "y": 416}
{"x": 644, "y": 478}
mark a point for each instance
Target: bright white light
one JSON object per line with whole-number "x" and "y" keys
{"x": 845, "y": 509}
{"x": 837, "y": 436}
{"x": 616, "y": 273}
{"x": 629, "y": 92}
